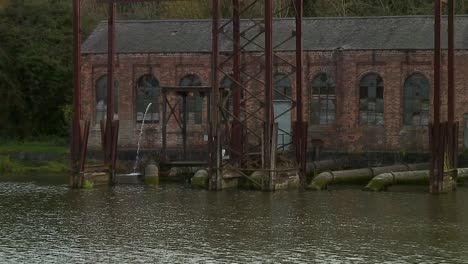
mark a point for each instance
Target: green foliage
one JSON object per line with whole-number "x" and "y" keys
{"x": 35, "y": 68}
{"x": 7, "y": 165}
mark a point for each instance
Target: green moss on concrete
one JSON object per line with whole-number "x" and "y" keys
{"x": 378, "y": 184}
{"x": 87, "y": 184}
{"x": 200, "y": 182}
{"x": 320, "y": 182}
{"x": 152, "y": 181}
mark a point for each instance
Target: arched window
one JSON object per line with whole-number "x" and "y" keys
{"x": 323, "y": 100}
{"x": 371, "y": 103}
{"x": 148, "y": 91}
{"x": 282, "y": 91}
{"x": 226, "y": 91}
{"x": 194, "y": 102}
{"x": 101, "y": 98}
{"x": 416, "y": 101}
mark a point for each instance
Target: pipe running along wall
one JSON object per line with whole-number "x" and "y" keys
{"x": 358, "y": 176}
{"x": 383, "y": 181}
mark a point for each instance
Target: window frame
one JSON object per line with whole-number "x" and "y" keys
{"x": 327, "y": 97}
{"x": 103, "y": 80}
{"x": 421, "y": 101}
{"x": 155, "y": 99}
{"x": 195, "y": 101}
{"x": 372, "y": 100}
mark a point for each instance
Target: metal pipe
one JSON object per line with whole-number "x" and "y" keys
{"x": 215, "y": 143}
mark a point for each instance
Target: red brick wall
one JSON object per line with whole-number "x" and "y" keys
{"x": 345, "y": 67}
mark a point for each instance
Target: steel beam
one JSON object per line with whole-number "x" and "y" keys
{"x": 75, "y": 146}
{"x": 437, "y": 149}
{"x": 215, "y": 133}
{"x": 268, "y": 109}
{"x": 110, "y": 81}
{"x": 451, "y": 83}
{"x": 300, "y": 135}
{"x": 237, "y": 133}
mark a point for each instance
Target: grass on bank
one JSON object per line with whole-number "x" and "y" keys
{"x": 50, "y": 145}
{"x": 9, "y": 165}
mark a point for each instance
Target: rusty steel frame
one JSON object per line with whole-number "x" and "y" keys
{"x": 236, "y": 139}
{"x": 80, "y": 128}
{"x": 443, "y": 136}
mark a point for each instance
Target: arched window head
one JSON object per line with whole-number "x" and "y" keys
{"x": 323, "y": 100}
{"x": 416, "y": 101}
{"x": 148, "y": 91}
{"x": 190, "y": 80}
{"x": 282, "y": 90}
{"x": 194, "y": 102}
{"x": 101, "y": 98}
{"x": 371, "y": 103}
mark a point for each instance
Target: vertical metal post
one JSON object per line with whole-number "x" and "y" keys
{"x": 164, "y": 127}
{"x": 301, "y": 147}
{"x": 451, "y": 82}
{"x": 268, "y": 87}
{"x": 184, "y": 124}
{"x": 110, "y": 81}
{"x": 236, "y": 69}
{"x": 75, "y": 146}
{"x": 215, "y": 159}
{"x": 436, "y": 148}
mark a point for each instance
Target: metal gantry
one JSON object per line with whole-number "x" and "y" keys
{"x": 244, "y": 52}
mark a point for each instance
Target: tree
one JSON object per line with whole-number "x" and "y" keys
{"x": 36, "y": 70}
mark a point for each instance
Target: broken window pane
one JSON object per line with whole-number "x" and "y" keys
{"x": 194, "y": 101}
{"x": 148, "y": 91}
{"x": 371, "y": 106}
{"x": 416, "y": 101}
{"x": 323, "y": 100}
{"x": 282, "y": 90}
{"x": 101, "y": 98}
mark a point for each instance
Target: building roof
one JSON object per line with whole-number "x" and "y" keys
{"x": 320, "y": 34}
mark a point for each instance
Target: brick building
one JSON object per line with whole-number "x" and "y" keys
{"x": 368, "y": 80}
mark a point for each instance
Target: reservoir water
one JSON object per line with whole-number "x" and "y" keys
{"x": 43, "y": 221}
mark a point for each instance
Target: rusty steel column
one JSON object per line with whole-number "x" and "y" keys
{"x": 435, "y": 144}
{"x": 237, "y": 133}
{"x": 268, "y": 90}
{"x": 75, "y": 145}
{"x": 215, "y": 148}
{"x": 451, "y": 83}
{"x": 110, "y": 80}
{"x": 301, "y": 138}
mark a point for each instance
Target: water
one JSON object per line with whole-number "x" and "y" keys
{"x": 139, "y": 138}
{"x": 46, "y": 222}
